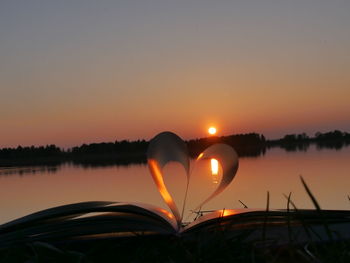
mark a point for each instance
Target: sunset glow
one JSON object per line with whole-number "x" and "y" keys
{"x": 87, "y": 72}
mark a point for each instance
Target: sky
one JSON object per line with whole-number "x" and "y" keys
{"x": 74, "y": 72}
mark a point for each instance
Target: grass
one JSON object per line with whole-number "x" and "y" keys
{"x": 211, "y": 248}
{"x": 208, "y": 246}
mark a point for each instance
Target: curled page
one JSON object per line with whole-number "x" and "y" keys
{"x": 164, "y": 148}
{"x": 228, "y": 159}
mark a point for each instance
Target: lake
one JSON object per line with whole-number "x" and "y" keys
{"x": 327, "y": 172}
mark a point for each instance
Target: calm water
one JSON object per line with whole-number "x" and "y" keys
{"x": 327, "y": 173}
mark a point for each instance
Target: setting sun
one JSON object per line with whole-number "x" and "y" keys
{"x": 212, "y": 130}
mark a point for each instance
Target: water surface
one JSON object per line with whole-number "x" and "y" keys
{"x": 327, "y": 172}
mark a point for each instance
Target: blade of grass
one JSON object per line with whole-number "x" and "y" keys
{"x": 266, "y": 215}
{"x": 318, "y": 208}
{"x": 244, "y": 205}
{"x": 313, "y": 199}
{"x": 288, "y": 219}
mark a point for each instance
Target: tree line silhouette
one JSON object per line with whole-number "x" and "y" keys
{"x": 301, "y": 142}
{"x": 133, "y": 152}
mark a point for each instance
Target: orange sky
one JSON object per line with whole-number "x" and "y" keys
{"x": 88, "y": 72}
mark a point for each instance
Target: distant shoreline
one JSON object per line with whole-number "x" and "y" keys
{"x": 134, "y": 152}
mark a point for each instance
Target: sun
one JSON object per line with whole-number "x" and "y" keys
{"x": 212, "y": 130}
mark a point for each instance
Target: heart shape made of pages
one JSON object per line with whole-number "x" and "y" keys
{"x": 168, "y": 147}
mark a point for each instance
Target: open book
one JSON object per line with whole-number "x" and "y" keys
{"x": 101, "y": 219}
{"x": 95, "y": 220}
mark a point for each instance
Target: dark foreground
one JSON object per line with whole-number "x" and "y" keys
{"x": 126, "y": 234}
{"x": 213, "y": 247}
